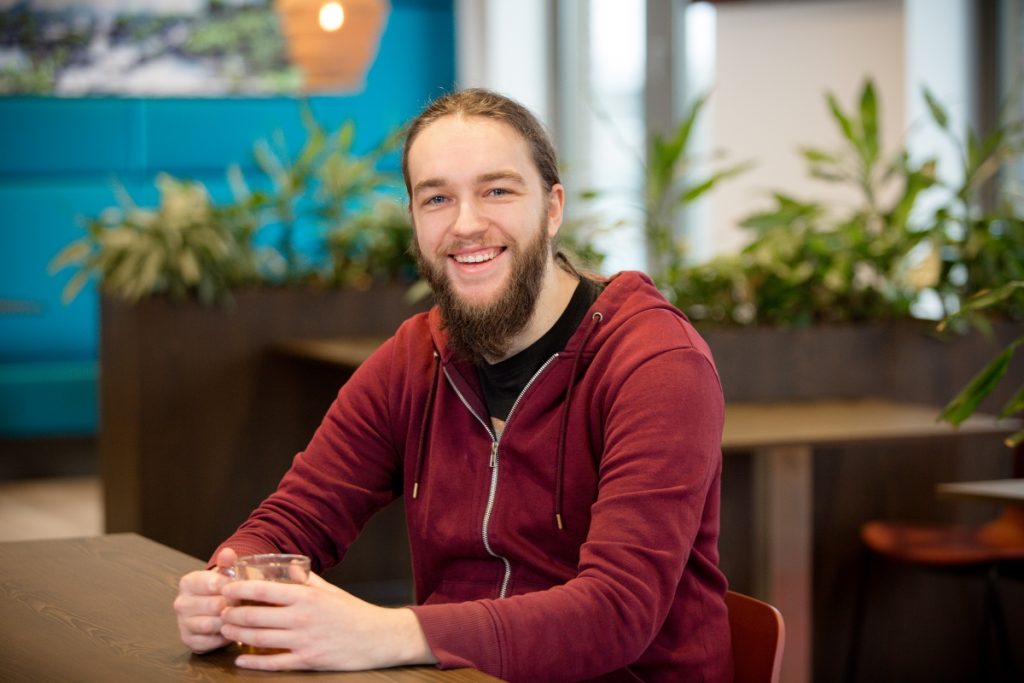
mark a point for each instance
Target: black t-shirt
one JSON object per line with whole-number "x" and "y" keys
{"x": 503, "y": 381}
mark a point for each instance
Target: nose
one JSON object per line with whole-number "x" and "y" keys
{"x": 469, "y": 222}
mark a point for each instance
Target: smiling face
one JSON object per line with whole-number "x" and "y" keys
{"x": 476, "y": 196}
{"x": 484, "y": 224}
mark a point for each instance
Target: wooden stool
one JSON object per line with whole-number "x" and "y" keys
{"x": 982, "y": 550}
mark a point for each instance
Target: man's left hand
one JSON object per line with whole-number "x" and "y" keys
{"x": 323, "y": 627}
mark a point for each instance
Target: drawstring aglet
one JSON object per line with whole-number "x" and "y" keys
{"x": 558, "y": 520}
{"x": 415, "y": 489}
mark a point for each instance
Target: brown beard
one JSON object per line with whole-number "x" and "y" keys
{"x": 486, "y": 332}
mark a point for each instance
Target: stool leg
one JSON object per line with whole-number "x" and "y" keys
{"x": 859, "y": 609}
{"x": 996, "y": 618}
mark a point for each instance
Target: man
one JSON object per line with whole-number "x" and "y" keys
{"x": 556, "y": 438}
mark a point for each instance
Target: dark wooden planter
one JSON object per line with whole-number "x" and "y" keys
{"x": 907, "y": 361}
{"x": 200, "y": 417}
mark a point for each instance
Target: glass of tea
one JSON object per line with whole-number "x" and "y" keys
{"x": 268, "y": 567}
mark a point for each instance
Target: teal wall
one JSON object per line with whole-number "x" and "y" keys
{"x": 58, "y": 161}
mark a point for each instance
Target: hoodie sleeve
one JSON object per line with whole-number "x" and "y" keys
{"x": 349, "y": 470}
{"x": 661, "y": 465}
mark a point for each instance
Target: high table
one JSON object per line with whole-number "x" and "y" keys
{"x": 1005, "y": 531}
{"x": 1008, "y": 491}
{"x": 782, "y": 437}
{"x": 99, "y": 609}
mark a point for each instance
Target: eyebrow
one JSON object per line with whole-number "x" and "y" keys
{"x": 433, "y": 183}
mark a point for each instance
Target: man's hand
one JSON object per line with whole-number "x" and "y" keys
{"x": 324, "y": 628}
{"x": 199, "y": 605}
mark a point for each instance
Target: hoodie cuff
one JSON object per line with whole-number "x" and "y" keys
{"x": 462, "y": 635}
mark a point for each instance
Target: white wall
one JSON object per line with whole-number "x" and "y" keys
{"x": 774, "y": 63}
{"x": 503, "y": 45}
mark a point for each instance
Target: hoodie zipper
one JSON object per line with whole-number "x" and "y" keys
{"x": 493, "y": 491}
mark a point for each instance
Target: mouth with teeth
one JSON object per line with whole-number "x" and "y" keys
{"x": 475, "y": 257}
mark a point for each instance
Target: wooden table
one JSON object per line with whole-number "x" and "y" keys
{"x": 782, "y": 437}
{"x": 1006, "y": 531}
{"x": 1008, "y": 491}
{"x": 342, "y": 352}
{"x": 99, "y": 609}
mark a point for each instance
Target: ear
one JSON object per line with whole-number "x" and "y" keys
{"x": 556, "y": 205}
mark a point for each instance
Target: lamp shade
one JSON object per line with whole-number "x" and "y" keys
{"x": 333, "y": 42}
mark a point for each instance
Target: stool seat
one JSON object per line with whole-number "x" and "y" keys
{"x": 1001, "y": 540}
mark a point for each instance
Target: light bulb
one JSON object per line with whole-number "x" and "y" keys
{"x": 332, "y": 16}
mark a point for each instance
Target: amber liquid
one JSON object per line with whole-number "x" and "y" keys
{"x": 252, "y": 649}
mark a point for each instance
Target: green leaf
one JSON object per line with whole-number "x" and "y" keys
{"x": 76, "y": 252}
{"x": 869, "y": 121}
{"x": 936, "y": 109}
{"x": 844, "y": 123}
{"x": 827, "y": 176}
{"x": 1014, "y": 405}
{"x": 987, "y": 298}
{"x": 818, "y": 156}
{"x": 1015, "y": 439}
{"x": 74, "y": 286}
{"x": 973, "y": 149}
{"x": 695, "y": 191}
{"x": 966, "y": 402}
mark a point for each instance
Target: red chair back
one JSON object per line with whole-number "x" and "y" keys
{"x": 758, "y": 638}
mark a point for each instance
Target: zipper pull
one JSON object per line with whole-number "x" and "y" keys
{"x": 494, "y": 454}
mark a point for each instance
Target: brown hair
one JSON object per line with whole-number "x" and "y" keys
{"x": 488, "y": 104}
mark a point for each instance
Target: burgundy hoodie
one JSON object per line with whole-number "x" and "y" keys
{"x": 581, "y": 543}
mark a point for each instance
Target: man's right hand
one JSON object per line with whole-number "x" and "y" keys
{"x": 199, "y": 605}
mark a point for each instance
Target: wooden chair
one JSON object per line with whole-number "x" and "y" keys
{"x": 758, "y": 638}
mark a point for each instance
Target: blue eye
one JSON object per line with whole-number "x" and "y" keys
{"x": 499, "y": 192}
{"x": 436, "y": 199}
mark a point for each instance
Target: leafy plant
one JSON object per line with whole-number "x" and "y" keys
{"x": 669, "y": 188}
{"x": 808, "y": 263}
{"x": 328, "y": 216}
{"x": 183, "y": 247}
{"x": 316, "y": 192}
{"x": 373, "y": 246}
{"x": 984, "y": 383}
{"x": 979, "y": 232}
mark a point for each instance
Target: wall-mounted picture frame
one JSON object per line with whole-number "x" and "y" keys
{"x": 187, "y": 48}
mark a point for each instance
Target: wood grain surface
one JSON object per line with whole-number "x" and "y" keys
{"x": 99, "y": 609}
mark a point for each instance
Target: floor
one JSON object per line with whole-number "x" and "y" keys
{"x": 50, "y": 508}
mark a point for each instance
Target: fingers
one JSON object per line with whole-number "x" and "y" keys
{"x": 280, "y": 662}
{"x": 315, "y": 581}
{"x": 199, "y": 605}
{"x": 260, "y": 637}
{"x": 270, "y": 592}
{"x": 257, "y": 617}
{"x": 226, "y": 558}
{"x": 203, "y": 625}
{"x": 201, "y": 633}
{"x": 204, "y": 582}
{"x": 202, "y": 644}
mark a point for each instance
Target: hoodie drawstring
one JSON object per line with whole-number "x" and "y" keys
{"x": 418, "y": 472}
{"x": 560, "y": 455}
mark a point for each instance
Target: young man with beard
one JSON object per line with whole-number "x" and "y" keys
{"x": 556, "y": 438}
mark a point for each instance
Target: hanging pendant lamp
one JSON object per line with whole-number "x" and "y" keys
{"x": 333, "y": 42}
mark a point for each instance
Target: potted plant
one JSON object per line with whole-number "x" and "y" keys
{"x": 828, "y": 291}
